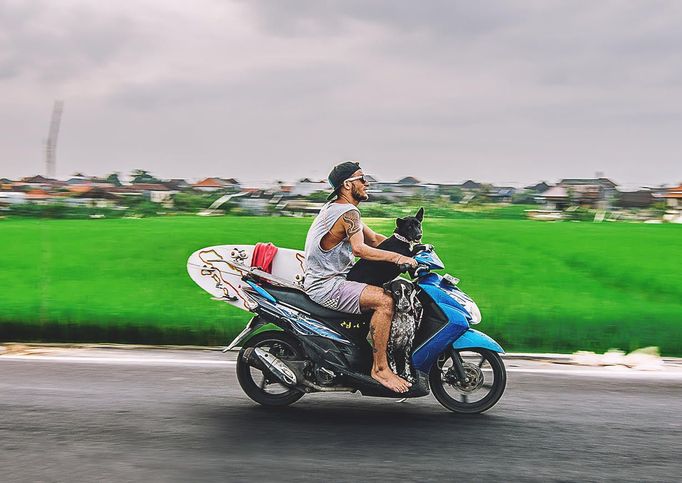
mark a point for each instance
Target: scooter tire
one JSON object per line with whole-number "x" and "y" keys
{"x": 499, "y": 384}
{"x": 246, "y": 381}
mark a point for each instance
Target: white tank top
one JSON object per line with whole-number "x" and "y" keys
{"x": 325, "y": 269}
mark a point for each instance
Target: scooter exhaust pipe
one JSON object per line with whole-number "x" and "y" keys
{"x": 265, "y": 361}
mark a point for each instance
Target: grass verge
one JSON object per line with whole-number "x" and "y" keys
{"x": 541, "y": 286}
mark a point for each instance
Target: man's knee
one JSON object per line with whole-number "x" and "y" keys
{"x": 385, "y": 304}
{"x": 373, "y": 298}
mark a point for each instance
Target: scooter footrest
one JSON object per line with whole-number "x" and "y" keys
{"x": 369, "y": 387}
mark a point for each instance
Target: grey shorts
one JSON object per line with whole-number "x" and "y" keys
{"x": 345, "y": 298}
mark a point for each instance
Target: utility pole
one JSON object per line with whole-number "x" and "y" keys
{"x": 53, "y": 134}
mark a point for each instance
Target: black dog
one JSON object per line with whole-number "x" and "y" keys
{"x": 406, "y": 320}
{"x": 407, "y": 234}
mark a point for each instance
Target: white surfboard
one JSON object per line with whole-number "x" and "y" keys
{"x": 219, "y": 269}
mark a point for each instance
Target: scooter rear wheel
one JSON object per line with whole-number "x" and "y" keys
{"x": 257, "y": 385}
{"x": 485, "y": 380}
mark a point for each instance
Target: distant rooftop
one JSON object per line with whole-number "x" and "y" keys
{"x": 411, "y": 180}
{"x": 580, "y": 181}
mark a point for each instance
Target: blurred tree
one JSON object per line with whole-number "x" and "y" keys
{"x": 572, "y": 196}
{"x": 317, "y": 196}
{"x": 660, "y": 207}
{"x": 145, "y": 208}
{"x": 524, "y": 198}
{"x": 482, "y": 196}
{"x": 114, "y": 179}
{"x": 454, "y": 193}
{"x": 143, "y": 176}
{"x": 376, "y": 210}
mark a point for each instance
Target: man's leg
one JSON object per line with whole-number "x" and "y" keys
{"x": 374, "y": 298}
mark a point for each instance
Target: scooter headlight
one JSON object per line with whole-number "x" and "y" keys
{"x": 474, "y": 311}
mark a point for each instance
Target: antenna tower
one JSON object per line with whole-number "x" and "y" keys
{"x": 51, "y": 145}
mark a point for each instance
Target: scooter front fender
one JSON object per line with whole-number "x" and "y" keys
{"x": 473, "y": 338}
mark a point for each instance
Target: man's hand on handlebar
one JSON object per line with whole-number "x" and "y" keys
{"x": 406, "y": 263}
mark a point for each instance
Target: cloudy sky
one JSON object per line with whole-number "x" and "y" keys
{"x": 504, "y": 92}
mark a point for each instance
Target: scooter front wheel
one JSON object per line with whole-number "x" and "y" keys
{"x": 485, "y": 379}
{"x": 258, "y": 385}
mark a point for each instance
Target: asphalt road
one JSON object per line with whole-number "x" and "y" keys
{"x": 160, "y": 419}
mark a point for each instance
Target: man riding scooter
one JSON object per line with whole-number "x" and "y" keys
{"x": 335, "y": 238}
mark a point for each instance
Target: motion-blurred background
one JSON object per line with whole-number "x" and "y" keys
{"x": 541, "y": 139}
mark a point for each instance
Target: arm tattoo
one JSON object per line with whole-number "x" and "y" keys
{"x": 352, "y": 220}
{"x": 371, "y": 334}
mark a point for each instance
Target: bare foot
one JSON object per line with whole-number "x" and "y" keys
{"x": 388, "y": 379}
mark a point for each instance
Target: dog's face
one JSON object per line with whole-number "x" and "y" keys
{"x": 410, "y": 227}
{"x": 402, "y": 292}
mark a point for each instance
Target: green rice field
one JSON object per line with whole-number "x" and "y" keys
{"x": 540, "y": 286}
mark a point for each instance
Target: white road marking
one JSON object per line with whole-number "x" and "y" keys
{"x": 610, "y": 372}
{"x": 137, "y": 361}
{"x": 603, "y": 373}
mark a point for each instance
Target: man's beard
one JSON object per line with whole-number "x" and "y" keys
{"x": 357, "y": 196}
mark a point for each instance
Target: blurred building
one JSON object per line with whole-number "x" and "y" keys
{"x": 81, "y": 179}
{"x": 634, "y": 199}
{"x": 673, "y": 197}
{"x": 257, "y": 201}
{"x": 501, "y": 194}
{"x": 595, "y": 193}
{"x": 299, "y": 207}
{"x": 39, "y": 196}
{"x": 217, "y": 184}
{"x": 598, "y": 193}
{"x": 555, "y": 198}
{"x": 94, "y": 197}
{"x": 306, "y": 186}
{"x": 403, "y": 188}
{"x": 154, "y": 192}
{"x": 538, "y": 188}
{"x": 176, "y": 184}
{"x": 39, "y": 182}
{"x": 8, "y": 198}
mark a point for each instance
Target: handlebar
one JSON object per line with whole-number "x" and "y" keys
{"x": 421, "y": 269}
{"x": 404, "y": 267}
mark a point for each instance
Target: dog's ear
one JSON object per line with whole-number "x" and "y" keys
{"x": 420, "y": 214}
{"x": 387, "y": 286}
{"x": 399, "y": 222}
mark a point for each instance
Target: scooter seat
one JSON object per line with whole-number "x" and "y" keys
{"x": 299, "y": 299}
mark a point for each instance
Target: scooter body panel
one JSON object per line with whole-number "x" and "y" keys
{"x": 473, "y": 338}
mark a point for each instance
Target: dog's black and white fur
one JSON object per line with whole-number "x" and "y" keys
{"x": 408, "y": 310}
{"x": 406, "y": 320}
{"x": 407, "y": 234}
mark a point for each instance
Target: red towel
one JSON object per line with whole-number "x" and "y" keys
{"x": 263, "y": 255}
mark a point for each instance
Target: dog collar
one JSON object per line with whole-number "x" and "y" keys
{"x": 401, "y": 238}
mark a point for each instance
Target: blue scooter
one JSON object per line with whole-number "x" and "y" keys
{"x": 293, "y": 346}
